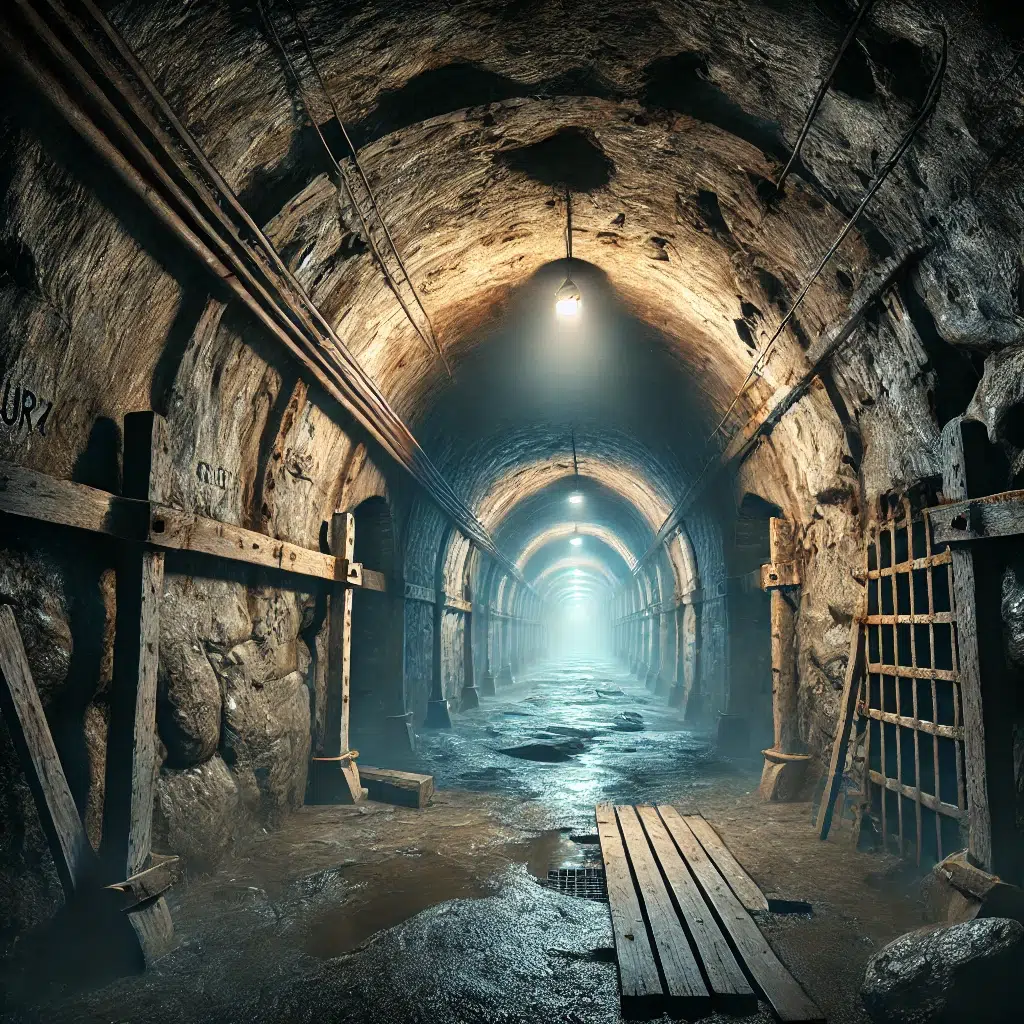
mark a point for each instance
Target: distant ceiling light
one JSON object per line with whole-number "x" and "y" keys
{"x": 568, "y": 299}
{"x": 576, "y": 541}
{"x": 576, "y": 499}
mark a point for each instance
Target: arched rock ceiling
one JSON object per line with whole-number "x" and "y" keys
{"x": 678, "y": 112}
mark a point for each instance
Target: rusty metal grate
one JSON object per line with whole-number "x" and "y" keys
{"x": 910, "y": 730}
{"x": 587, "y": 883}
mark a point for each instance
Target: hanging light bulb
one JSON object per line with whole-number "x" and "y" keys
{"x": 576, "y": 498}
{"x": 575, "y": 540}
{"x": 568, "y": 298}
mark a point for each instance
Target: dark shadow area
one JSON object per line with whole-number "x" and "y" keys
{"x": 571, "y": 158}
{"x": 377, "y": 696}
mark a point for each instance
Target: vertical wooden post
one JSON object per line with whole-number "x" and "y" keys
{"x": 131, "y": 746}
{"x": 987, "y": 706}
{"x": 785, "y": 763}
{"x": 335, "y": 754}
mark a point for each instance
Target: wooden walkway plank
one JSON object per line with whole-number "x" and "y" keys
{"x": 729, "y": 986}
{"x": 684, "y": 985}
{"x": 746, "y": 889}
{"x": 640, "y": 984}
{"x": 788, "y": 1000}
{"x": 26, "y": 722}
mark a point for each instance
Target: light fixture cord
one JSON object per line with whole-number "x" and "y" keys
{"x": 568, "y": 224}
{"x": 575, "y": 464}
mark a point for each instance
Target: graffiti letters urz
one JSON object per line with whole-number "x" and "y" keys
{"x": 21, "y": 407}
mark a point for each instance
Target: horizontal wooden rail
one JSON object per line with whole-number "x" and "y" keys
{"x": 33, "y": 495}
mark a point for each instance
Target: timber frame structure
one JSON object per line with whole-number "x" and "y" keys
{"x": 126, "y": 872}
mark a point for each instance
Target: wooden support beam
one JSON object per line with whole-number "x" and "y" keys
{"x": 785, "y": 763}
{"x": 33, "y": 495}
{"x": 329, "y": 760}
{"x": 405, "y": 789}
{"x": 131, "y": 745}
{"x": 147, "y": 885}
{"x": 995, "y": 515}
{"x": 26, "y": 723}
{"x": 855, "y": 665}
{"x": 984, "y": 688}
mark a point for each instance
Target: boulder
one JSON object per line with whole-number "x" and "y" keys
{"x": 965, "y": 972}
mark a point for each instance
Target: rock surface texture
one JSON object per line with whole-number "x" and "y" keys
{"x": 668, "y": 124}
{"x": 968, "y": 971}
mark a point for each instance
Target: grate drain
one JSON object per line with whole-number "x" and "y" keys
{"x": 587, "y": 883}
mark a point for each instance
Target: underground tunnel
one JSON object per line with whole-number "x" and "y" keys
{"x": 511, "y": 511}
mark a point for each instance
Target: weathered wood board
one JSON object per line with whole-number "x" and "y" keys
{"x": 639, "y": 983}
{"x": 730, "y": 990}
{"x": 788, "y": 1000}
{"x": 746, "y": 889}
{"x": 687, "y": 994}
{"x": 405, "y": 789}
{"x": 26, "y": 722}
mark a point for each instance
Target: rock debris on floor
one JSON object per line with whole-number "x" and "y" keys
{"x": 381, "y": 913}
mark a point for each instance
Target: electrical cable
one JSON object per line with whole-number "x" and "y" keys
{"x": 431, "y": 340}
{"x": 862, "y": 13}
{"x": 927, "y": 106}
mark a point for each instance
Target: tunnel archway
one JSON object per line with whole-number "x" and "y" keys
{"x": 377, "y": 691}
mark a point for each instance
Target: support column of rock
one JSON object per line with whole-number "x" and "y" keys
{"x": 470, "y": 694}
{"x": 785, "y": 762}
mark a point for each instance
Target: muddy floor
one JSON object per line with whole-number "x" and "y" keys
{"x": 384, "y": 914}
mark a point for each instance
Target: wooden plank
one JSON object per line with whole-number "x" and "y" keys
{"x": 147, "y": 885}
{"x": 32, "y": 495}
{"x": 779, "y": 574}
{"x": 406, "y": 789}
{"x": 788, "y": 1000}
{"x": 131, "y": 744}
{"x": 728, "y": 984}
{"x": 339, "y": 642}
{"x": 747, "y": 890}
{"x": 26, "y": 722}
{"x": 183, "y": 531}
{"x": 684, "y": 986}
{"x": 986, "y": 702}
{"x": 847, "y": 710}
{"x": 372, "y": 580}
{"x": 995, "y": 515}
{"x": 639, "y": 983}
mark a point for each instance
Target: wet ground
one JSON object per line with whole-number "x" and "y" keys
{"x": 387, "y": 914}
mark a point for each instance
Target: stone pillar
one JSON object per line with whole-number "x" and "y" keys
{"x": 505, "y": 676}
{"x": 438, "y": 712}
{"x": 668, "y": 664}
{"x": 470, "y": 694}
{"x": 785, "y": 763}
{"x": 641, "y": 663}
{"x": 487, "y": 679}
{"x": 654, "y": 664}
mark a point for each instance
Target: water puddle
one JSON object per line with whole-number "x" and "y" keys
{"x": 382, "y": 895}
{"x": 391, "y": 891}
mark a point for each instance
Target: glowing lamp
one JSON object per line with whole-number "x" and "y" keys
{"x": 575, "y": 499}
{"x": 568, "y": 299}
{"x": 576, "y": 541}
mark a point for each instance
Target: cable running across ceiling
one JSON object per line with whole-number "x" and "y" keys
{"x": 426, "y": 331}
{"x": 674, "y": 518}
